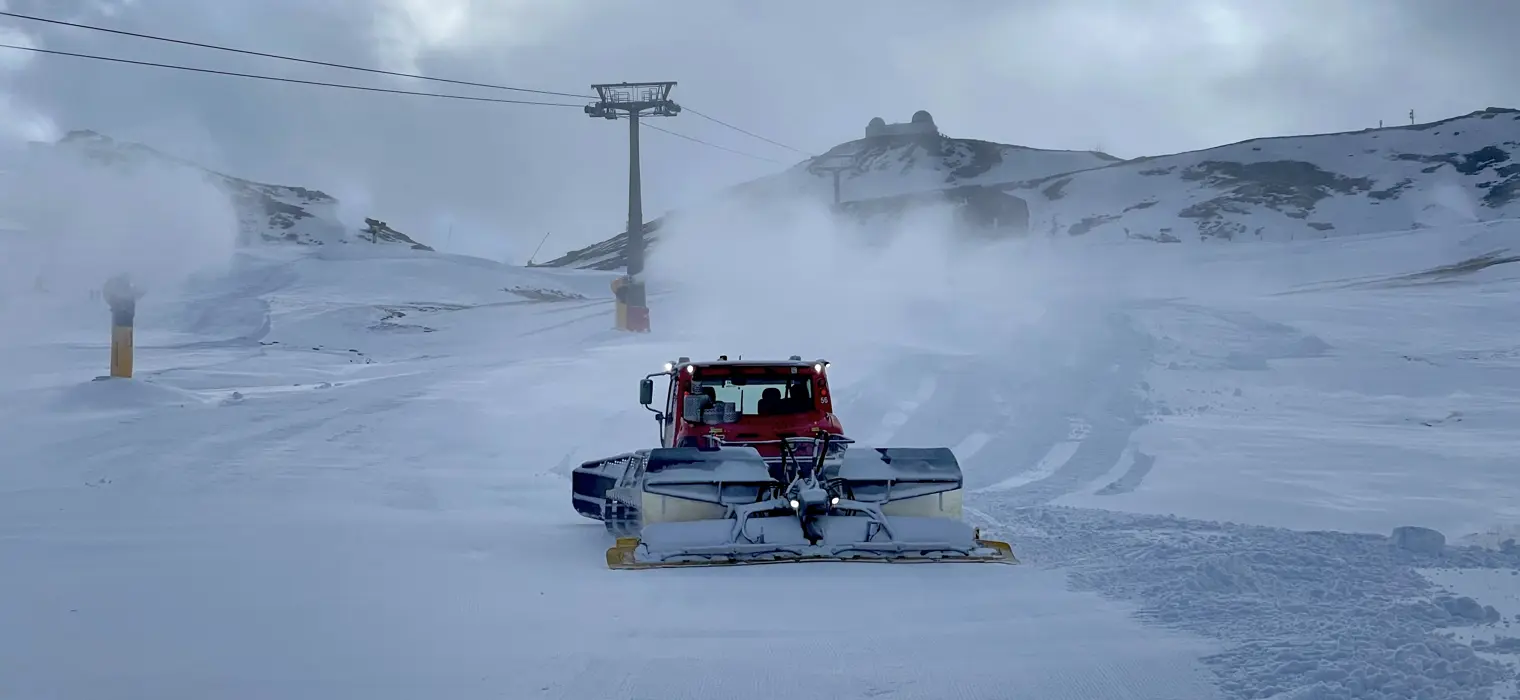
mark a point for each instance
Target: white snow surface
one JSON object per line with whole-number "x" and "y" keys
{"x": 1451, "y": 172}
{"x": 344, "y": 473}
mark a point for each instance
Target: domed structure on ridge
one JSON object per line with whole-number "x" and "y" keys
{"x": 921, "y": 124}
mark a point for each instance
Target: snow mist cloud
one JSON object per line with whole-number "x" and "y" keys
{"x": 85, "y": 222}
{"x": 779, "y": 277}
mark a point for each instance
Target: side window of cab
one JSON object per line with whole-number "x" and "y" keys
{"x": 669, "y": 428}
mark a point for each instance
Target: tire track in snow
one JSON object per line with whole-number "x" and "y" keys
{"x": 904, "y": 411}
{"x": 1100, "y": 412}
{"x": 599, "y": 314}
{"x": 1059, "y": 454}
{"x": 966, "y": 403}
{"x": 1139, "y": 466}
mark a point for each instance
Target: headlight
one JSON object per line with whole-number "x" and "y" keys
{"x": 834, "y": 501}
{"x": 794, "y": 504}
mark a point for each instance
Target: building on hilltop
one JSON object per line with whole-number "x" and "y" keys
{"x": 922, "y": 124}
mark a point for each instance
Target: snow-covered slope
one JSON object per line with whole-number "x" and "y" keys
{"x": 266, "y": 213}
{"x": 888, "y": 175}
{"x": 344, "y": 474}
{"x": 886, "y": 167}
{"x": 1455, "y": 170}
{"x": 1282, "y": 188}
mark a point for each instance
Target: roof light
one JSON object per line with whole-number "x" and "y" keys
{"x": 691, "y": 369}
{"x": 669, "y": 366}
{"x": 819, "y": 367}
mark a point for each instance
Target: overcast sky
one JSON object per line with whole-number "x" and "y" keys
{"x": 1134, "y": 77}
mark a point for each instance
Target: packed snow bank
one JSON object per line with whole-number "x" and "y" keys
{"x": 1303, "y": 614}
{"x": 1499, "y": 594}
{"x": 108, "y": 393}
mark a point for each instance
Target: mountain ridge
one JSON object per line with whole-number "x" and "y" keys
{"x": 964, "y": 173}
{"x": 267, "y": 213}
{"x": 1263, "y": 187}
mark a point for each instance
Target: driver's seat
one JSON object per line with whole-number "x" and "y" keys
{"x": 770, "y": 402}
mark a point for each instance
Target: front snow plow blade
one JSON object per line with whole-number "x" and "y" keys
{"x": 631, "y": 553}
{"x": 725, "y": 506}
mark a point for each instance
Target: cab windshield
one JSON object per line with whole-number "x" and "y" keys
{"x": 761, "y": 396}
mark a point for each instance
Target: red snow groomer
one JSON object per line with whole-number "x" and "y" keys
{"x": 754, "y": 467}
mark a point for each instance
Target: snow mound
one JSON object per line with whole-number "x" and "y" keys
{"x": 116, "y": 394}
{"x": 1420, "y": 540}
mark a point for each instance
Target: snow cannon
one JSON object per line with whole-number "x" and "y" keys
{"x": 121, "y": 295}
{"x": 755, "y": 469}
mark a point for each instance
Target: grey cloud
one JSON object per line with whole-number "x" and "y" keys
{"x": 1134, "y": 76}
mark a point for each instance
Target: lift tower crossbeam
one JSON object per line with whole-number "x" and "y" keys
{"x": 635, "y": 100}
{"x": 834, "y": 164}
